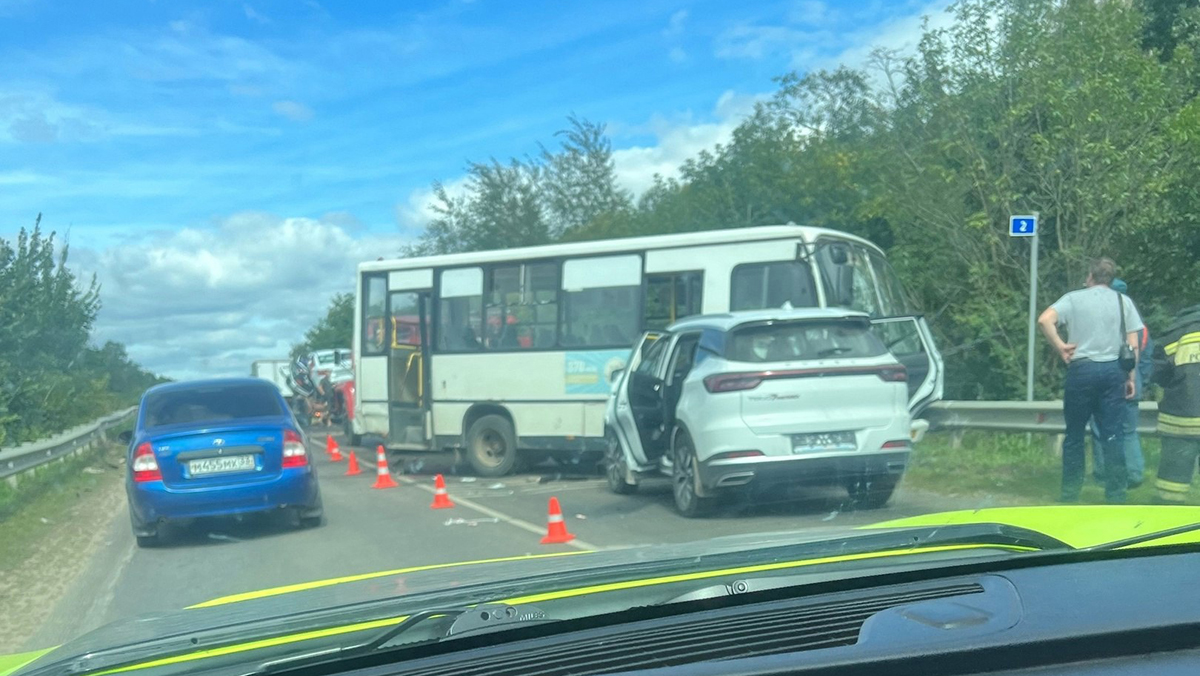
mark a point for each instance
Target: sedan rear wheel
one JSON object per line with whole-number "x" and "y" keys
{"x": 684, "y": 478}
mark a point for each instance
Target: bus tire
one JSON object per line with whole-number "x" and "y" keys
{"x": 351, "y": 438}
{"x": 492, "y": 446}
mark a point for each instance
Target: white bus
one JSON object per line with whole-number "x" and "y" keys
{"x": 490, "y": 352}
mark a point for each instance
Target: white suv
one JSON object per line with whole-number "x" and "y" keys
{"x": 776, "y": 396}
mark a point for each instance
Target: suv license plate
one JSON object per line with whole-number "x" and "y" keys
{"x": 222, "y": 465}
{"x": 823, "y": 442}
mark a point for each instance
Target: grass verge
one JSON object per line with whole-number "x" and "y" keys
{"x": 39, "y": 503}
{"x": 1009, "y": 467}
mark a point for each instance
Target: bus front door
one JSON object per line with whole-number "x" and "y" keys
{"x": 407, "y": 370}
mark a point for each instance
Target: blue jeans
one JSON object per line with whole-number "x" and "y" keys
{"x": 1094, "y": 390}
{"x": 1135, "y": 462}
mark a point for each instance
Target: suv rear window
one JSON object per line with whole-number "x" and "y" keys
{"x": 799, "y": 340}
{"x": 210, "y": 404}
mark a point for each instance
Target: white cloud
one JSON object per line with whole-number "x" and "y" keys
{"x": 675, "y": 24}
{"x": 254, "y": 15}
{"x": 293, "y": 110}
{"x": 751, "y": 41}
{"x": 677, "y": 55}
{"x": 415, "y": 212}
{"x": 208, "y": 301}
{"x": 901, "y": 33}
{"x": 678, "y": 140}
{"x": 810, "y": 12}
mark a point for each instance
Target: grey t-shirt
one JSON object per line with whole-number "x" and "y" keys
{"x": 1093, "y": 323}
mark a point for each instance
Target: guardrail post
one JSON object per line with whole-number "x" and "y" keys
{"x": 1054, "y": 445}
{"x": 956, "y": 438}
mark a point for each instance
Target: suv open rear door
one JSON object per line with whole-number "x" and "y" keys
{"x": 908, "y": 338}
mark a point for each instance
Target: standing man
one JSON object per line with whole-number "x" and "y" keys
{"x": 1177, "y": 370}
{"x": 1096, "y": 384}
{"x": 1135, "y": 462}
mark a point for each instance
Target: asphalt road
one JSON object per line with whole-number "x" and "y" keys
{"x": 371, "y": 530}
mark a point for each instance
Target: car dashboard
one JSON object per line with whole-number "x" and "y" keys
{"x": 1125, "y": 612}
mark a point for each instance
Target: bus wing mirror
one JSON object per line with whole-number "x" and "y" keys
{"x": 838, "y": 254}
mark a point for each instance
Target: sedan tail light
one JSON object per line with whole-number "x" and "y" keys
{"x": 294, "y": 452}
{"x": 145, "y": 465}
{"x": 733, "y": 382}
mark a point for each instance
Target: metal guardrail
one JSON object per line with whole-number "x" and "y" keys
{"x": 1045, "y": 417}
{"x": 18, "y": 459}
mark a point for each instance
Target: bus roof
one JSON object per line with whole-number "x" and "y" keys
{"x": 592, "y": 247}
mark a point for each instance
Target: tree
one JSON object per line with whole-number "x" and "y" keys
{"x": 580, "y": 179}
{"x": 50, "y": 378}
{"x": 333, "y": 331}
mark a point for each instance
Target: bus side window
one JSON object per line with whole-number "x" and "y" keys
{"x": 460, "y": 310}
{"x": 374, "y": 310}
{"x": 758, "y": 286}
{"x": 600, "y": 301}
{"x": 671, "y": 296}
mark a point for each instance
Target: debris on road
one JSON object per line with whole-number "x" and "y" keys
{"x": 44, "y": 520}
{"x": 459, "y": 521}
{"x": 467, "y": 480}
{"x": 832, "y": 515}
{"x": 496, "y": 486}
{"x": 581, "y": 517}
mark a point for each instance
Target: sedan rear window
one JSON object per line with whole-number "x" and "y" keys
{"x": 799, "y": 340}
{"x": 210, "y": 404}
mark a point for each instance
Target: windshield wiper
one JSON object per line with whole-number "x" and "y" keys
{"x": 465, "y": 620}
{"x": 1139, "y": 539}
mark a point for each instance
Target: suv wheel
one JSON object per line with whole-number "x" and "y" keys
{"x": 871, "y": 492}
{"x": 615, "y": 466}
{"x": 684, "y": 478}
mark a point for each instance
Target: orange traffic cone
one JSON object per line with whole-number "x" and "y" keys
{"x": 556, "y": 530}
{"x": 336, "y": 454}
{"x": 383, "y": 478}
{"x": 353, "y": 469}
{"x": 440, "y": 499}
{"x": 329, "y": 442}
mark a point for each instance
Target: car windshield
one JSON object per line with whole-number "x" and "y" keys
{"x": 317, "y": 315}
{"x": 195, "y": 405}
{"x": 800, "y": 340}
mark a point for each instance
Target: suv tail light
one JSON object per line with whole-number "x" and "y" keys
{"x": 735, "y": 382}
{"x": 145, "y": 465}
{"x": 294, "y": 452}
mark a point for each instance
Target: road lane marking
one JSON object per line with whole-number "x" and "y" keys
{"x": 511, "y": 520}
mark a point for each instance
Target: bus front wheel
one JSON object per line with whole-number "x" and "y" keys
{"x": 492, "y": 446}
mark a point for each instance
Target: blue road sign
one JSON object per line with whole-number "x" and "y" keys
{"x": 1022, "y": 226}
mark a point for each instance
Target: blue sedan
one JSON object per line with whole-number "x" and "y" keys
{"x": 217, "y": 448}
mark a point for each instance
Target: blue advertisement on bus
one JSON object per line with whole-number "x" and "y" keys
{"x": 590, "y": 372}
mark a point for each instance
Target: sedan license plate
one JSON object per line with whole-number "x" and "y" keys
{"x": 221, "y": 465}
{"x": 823, "y": 442}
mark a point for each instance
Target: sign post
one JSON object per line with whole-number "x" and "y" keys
{"x": 1026, "y": 226}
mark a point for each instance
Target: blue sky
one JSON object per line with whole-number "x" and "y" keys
{"x": 227, "y": 163}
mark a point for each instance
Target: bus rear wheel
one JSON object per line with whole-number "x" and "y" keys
{"x": 492, "y": 446}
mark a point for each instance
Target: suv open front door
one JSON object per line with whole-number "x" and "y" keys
{"x": 908, "y": 338}
{"x": 639, "y": 397}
